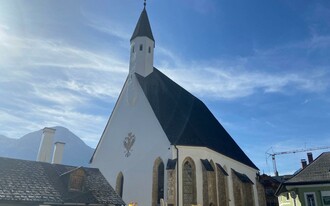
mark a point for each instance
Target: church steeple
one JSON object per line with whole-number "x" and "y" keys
{"x": 143, "y": 27}
{"x": 142, "y": 46}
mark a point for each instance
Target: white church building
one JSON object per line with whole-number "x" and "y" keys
{"x": 163, "y": 145}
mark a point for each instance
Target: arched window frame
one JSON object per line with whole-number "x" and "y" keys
{"x": 120, "y": 184}
{"x": 158, "y": 181}
{"x": 189, "y": 162}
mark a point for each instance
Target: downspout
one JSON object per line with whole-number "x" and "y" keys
{"x": 177, "y": 176}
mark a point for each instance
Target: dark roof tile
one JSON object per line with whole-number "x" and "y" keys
{"x": 185, "y": 119}
{"x": 207, "y": 165}
{"x": 143, "y": 27}
{"x": 171, "y": 164}
{"x": 243, "y": 177}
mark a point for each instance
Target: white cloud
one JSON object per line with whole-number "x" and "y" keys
{"x": 221, "y": 83}
{"x": 48, "y": 82}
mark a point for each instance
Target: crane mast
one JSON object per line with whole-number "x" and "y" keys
{"x": 273, "y": 155}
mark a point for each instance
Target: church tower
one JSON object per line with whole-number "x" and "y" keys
{"x": 142, "y": 47}
{"x": 162, "y": 144}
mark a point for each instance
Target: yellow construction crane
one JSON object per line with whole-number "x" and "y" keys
{"x": 291, "y": 151}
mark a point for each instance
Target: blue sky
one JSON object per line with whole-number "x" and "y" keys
{"x": 262, "y": 67}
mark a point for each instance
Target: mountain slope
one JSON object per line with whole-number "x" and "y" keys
{"x": 76, "y": 152}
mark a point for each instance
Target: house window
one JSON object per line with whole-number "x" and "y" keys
{"x": 141, "y": 47}
{"x": 287, "y": 196}
{"x": 325, "y": 197}
{"x": 189, "y": 182}
{"x": 310, "y": 199}
{"x": 120, "y": 184}
{"x": 158, "y": 182}
{"x": 76, "y": 181}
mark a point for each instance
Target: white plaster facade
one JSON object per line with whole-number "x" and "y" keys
{"x": 150, "y": 143}
{"x": 142, "y": 56}
{"x": 133, "y": 115}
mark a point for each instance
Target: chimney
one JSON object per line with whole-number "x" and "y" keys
{"x": 303, "y": 163}
{"x": 58, "y": 152}
{"x": 46, "y": 145}
{"x": 310, "y": 157}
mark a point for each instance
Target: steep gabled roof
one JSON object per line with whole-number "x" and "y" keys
{"x": 185, "y": 119}
{"x": 316, "y": 172}
{"x": 32, "y": 182}
{"x": 143, "y": 27}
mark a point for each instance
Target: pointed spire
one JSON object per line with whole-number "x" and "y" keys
{"x": 143, "y": 26}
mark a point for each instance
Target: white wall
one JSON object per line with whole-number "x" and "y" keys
{"x": 197, "y": 153}
{"x": 141, "y": 62}
{"x": 132, "y": 113}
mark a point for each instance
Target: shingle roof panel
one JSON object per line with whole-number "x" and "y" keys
{"x": 143, "y": 27}
{"x": 316, "y": 172}
{"x": 185, "y": 119}
{"x": 30, "y": 181}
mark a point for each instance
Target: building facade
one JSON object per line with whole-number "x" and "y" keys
{"x": 310, "y": 186}
{"x": 162, "y": 144}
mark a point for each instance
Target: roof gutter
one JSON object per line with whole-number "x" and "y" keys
{"x": 177, "y": 176}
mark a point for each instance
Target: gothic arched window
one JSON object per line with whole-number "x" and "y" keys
{"x": 120, "y": 184}
{"x": 189, "y": 182}
{"x": 158, "y": 182}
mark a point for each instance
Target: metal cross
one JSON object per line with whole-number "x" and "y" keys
{"x": 145, "y": 3}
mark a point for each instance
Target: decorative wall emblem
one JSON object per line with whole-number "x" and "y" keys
{"x": 128, "y": 143}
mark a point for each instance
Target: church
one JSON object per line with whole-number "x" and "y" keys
{"x": 162, "y": 145}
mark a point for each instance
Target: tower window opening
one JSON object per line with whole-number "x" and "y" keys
{"x": 141, "y": 47}
{"x": 149, "y": 49}
{"x": 133, "y": 49}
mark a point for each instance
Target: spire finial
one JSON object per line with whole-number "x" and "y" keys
{"x": 145, "y": 3}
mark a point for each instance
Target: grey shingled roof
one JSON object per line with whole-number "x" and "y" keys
{"x": 316, "y": 172}
{"x": 143, "y": 27}
{"x": 39, "y": 182}
{"x": 185, "y": 119}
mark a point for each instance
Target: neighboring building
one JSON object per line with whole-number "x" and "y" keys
{"x": 32, "y": 183}
{"x": 310, "y": 186}
{"x": 270, "y": 185}
{"x": 24, "y": 182}
{"x": 161, "y": 143}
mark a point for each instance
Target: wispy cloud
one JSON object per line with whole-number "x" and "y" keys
{"x": 47, "y": 82}
{"x": 221, "y": 83}
{"x": 107, "y": 25}
{"x": 55, "y": 83}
